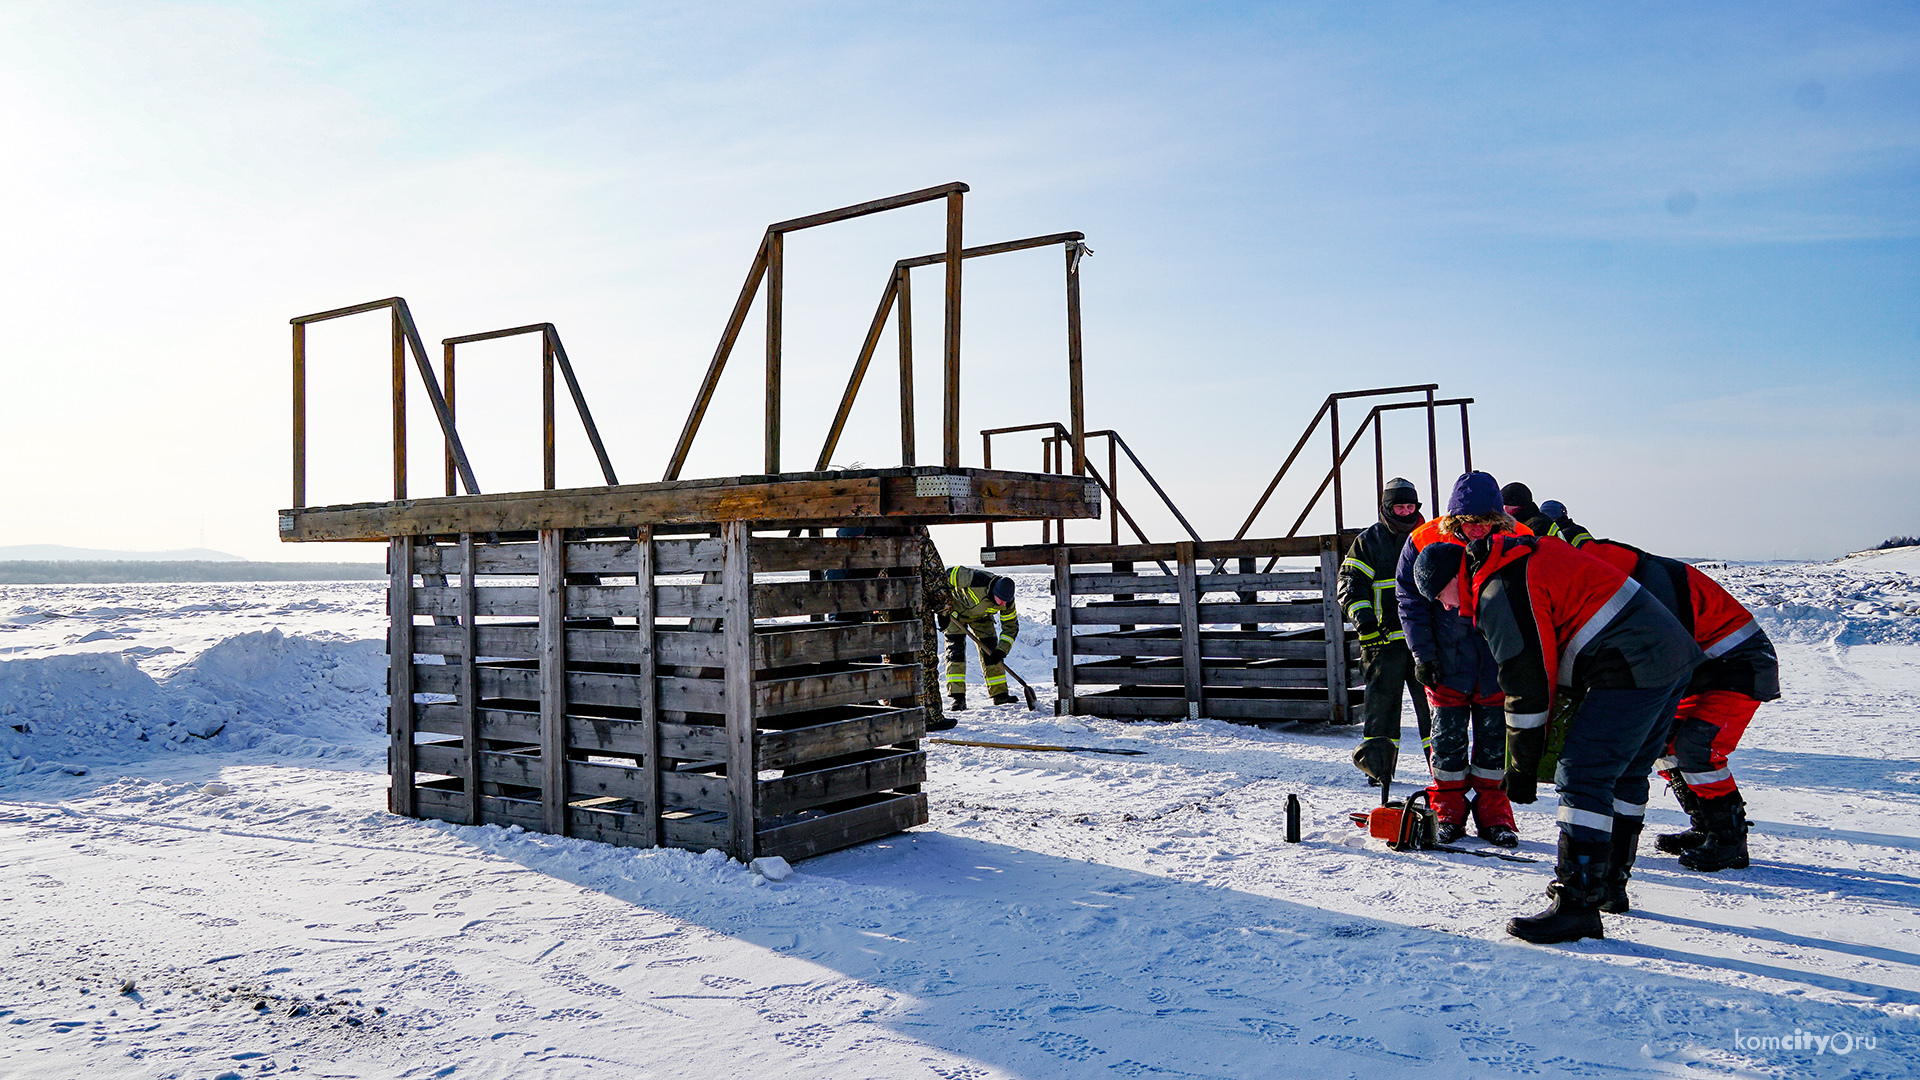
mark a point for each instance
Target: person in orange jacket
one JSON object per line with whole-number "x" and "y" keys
{"x": 1740, "y": 672}
{"x": 1462, "y": 682}
{"x": 1558, "y": 621}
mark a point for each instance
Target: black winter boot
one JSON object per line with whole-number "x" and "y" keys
{"x": 957, "y": 703}
{"x": 1579, "y": 886}
{"x": 1724, "y": 820}
{"x": 1626, "y": 844}
{"x": 1675, "y": 843}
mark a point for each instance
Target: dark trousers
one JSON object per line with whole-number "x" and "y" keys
{"x": 1389, "y": 670}
{"x": 1612, "y": 743}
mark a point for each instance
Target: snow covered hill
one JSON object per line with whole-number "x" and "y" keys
{"x": 198, "y": 879}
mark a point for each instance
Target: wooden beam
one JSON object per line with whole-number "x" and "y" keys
{"x": 553, "y": 680}
{"x": 399, "y": 405}
{"x": 470, "y": 679}
{"x": 776, "y": 277}
{"x": 1336, "y": 624}
{"x": 1190, "y": 628}
{"x": 950, "y": 433}
{"x": 719, "y": 362}
{"x": 1063, "y": 632}
{"x": 891, "y": 202}
{"x": 904, "y": 325}
{"x": 400, "y": 798}
{"x": 646, "y": 672}
{"x": 737, "y": 625}
{"x": 548, "y": 474}
{"x": 1076, "y": 400}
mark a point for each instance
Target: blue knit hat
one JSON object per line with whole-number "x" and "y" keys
{"x": 1554, "y": 509}
{"x": 1476, "y": 493}
{"x": 1439, "y": 563}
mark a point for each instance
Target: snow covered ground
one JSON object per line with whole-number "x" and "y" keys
{"x": 198, "y": 880}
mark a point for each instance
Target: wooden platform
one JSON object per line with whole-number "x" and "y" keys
{"x": 1191, "y": 630}
{"x": 925, "y": 495}
{"x": 670, "y": 664}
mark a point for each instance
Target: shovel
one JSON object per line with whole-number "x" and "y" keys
{"x": 1033, "y": 703}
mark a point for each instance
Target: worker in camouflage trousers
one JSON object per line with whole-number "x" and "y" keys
{"x": 1452, "y": 660}
{"x": 1740, "y": 672}
{"x": 983, "y": 610}
{"x": 1366, "y": 593}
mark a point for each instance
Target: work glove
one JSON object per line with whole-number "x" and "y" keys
{"x": 1521, "y": 787}
{"x": 993, "y": 656}
{"x": 1426, "y": 672}
{"x": 1524, "y": 749}
{"x": 1370, "y": 634}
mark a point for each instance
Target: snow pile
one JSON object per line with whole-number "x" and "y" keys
{"x": 1857, "y": 601}
{"x": 296, "y": 696}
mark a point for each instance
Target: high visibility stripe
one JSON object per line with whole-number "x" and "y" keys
{"x": 1358, "y": 565}
{"x": 1597, "y": 822}
{"x": 1396, "y": 635}
{"x": 1526, "y": 721}
{"x": 1627, "y": 809}
{"x": 1591, "y": 628}
{"x": 1726, "y": 644}
{"x": 1449, "y": 774}
{"x": 1697, "y": 779}
{"x": 1485, "y": 774}
{"x": 1353, "y": 610}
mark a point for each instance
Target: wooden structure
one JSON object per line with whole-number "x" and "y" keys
{"x": 688, "y": 663}
{"x": 1227, "y": 634}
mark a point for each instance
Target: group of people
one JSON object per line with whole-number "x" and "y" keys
{"x": 1526, "y": 640}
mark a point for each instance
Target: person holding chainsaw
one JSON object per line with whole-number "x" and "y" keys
{"x": 1452, "y": 661}
{"x": 1740, "y": 672}
{"x": 1560, "y": 622}
{"x": 983, "y": 610}
{"x": 1366, "y": 592}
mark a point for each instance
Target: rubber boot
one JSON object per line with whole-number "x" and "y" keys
{"x": 1578, "y": 888}
{"x": 1724, "y": 820}
{"x": 1626, "y": 844}
{"x": 1675, "y": 843}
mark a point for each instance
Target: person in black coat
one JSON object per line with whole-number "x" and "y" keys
{"x": 1366, "y": 592}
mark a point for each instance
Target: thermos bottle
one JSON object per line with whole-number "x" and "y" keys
{"x": 1293, "y": 819}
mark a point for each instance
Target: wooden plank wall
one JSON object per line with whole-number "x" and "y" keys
{"x": 692, "y": 690}
{"x": 1202, "y": 641}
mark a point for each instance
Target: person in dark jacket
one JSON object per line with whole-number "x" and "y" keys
{"x": 1740, "y": 672}
{"x": 1553, "y": 521}
{"x": 1452, "y": 660}
{"x": 1366, "y": 593}
{"x": 982, "y": 610}
{"x": 1559, "y": 622}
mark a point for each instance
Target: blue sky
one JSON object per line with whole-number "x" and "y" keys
{"x": 1671, "y": 250}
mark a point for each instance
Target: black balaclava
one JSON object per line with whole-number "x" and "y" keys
{"x": 1399, "y": 490}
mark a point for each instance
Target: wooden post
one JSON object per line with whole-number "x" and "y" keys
{"x": 470, "y": 676}
{"x": 1336, "y": 623}
{"x": 776, "y": 252}
{"x": 645, "y": 672}
{"x": 400, "y": 674}
{"x": 986, "y": 462}
{"x": 446, "y": 380}
{"x": 553, "y": 679}
{"x": 300, "y": 415}
{"x": 737, "y": 630}
{"x": 1063, "y": 631}
{"x": 904, "y": 321}
{"x": 1190, "y": 627}
{"x": 1076, "y": 401}
{"x": 950, "y": 431}
{"x": 548, "y": 477}
{"x": 1433, "y": 453}
{"x": 1339, "y": 509}
{"x": 399, "y": 407}
{"x": 1113, "y": 488}
{"x": 1379, "y": 454}
{"x": 1466, "y": 448}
